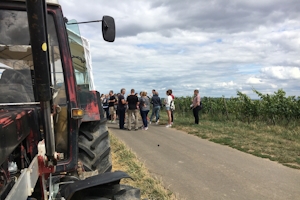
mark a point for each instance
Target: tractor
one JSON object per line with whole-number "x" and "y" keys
{"x": 54, "y": 142}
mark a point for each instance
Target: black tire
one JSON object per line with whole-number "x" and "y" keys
{"x": 94, "y": 146}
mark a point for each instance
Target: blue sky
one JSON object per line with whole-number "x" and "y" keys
{"x": 218, "y": 46}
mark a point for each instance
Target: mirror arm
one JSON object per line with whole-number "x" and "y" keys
{"x": 106, "y": 26}
{"x": 85, "y": 22}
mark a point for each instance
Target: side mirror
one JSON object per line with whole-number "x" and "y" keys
{"x": 108, "y": 28}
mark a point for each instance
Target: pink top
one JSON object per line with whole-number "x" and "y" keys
{"x": 196, "y": 101}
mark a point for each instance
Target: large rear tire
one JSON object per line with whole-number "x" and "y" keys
{"x": 94, "y": 146}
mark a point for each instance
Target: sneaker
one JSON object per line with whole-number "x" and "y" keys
{"x": 113, "y": 122}
{"x": 146, "y": 128}
{"x": 157, "y": 122}
{"x": 168, "y": 126}
{"x": 150, "y": 122}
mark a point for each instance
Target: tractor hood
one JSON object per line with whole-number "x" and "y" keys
{"x": 15, "y": 125}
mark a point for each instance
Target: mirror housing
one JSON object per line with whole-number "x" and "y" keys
{"x": 108, "y": 28}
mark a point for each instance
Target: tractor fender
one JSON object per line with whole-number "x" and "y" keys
{"x": 100, "y": 179}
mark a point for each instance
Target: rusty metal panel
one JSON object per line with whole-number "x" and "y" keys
{"x": 89, "y": 101}
{"x": 14, "y": 128}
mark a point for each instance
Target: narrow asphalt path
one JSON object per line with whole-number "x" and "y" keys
{"x": 198, "y": 169}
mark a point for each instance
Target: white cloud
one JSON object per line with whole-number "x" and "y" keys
{"x": 253, "y": 80}
{"x": 282, "y": 73}
{"x": 216, "y": 46}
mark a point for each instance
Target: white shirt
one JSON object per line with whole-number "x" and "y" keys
{"x": 168, "y": 101}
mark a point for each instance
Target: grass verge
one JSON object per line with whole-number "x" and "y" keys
{"x": 277, "y": 143}
{"x": 123, "y": 159}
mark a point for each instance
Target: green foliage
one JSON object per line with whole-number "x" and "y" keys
{"x": 269, "y": 108}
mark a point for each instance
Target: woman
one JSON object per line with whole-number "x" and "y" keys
{"x": 168, "y": 107}
{"x": 172, "y": 108}
{"x": 196, "y": 106}
{"x": 105, "y": 105}
{"x": 144, "y": 107}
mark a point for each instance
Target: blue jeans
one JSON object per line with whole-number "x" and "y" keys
{"x": 155, "y": 112}
{"x": 144, "y": 117}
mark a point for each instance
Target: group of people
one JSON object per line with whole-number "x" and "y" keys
{"x": 135, "y": 105}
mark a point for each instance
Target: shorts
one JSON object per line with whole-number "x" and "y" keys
{"x": 168, "y": 108}
{"x": 112, "y": 110}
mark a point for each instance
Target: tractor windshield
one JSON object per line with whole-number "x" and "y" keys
{"x": 16, "y": 64}
{"x": 15, "y": 58}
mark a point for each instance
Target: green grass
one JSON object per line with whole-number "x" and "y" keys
{"x": 124, "y": 160}
{"x": 277, "y": 143}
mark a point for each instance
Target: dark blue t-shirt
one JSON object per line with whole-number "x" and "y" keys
{"x": 120, "y": 104}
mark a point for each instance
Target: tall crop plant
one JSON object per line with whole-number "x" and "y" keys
{"x": 269, "y": 108}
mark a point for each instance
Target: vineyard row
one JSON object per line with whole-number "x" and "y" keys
{"x": 273, "y": 109}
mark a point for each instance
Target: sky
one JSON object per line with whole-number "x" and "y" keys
{"x": 216, "y": 46}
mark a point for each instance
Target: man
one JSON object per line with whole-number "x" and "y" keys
{"x": 156, "y": 102}
{"x": 133, "y": 104}
{"x": 121, "y": 108}
{"x": 153, "y": 92}
{"x": 196, "y": 106}
{"x": 111, "y": 104}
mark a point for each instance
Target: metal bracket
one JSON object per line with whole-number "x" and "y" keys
{"x": 25, "y": 184}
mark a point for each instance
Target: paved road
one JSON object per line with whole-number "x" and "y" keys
{"x": 198, "y": 169}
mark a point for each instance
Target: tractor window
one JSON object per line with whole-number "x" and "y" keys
{"x": 16, "y": 64}
{"x": 59, "y": 91}
{"x": 81, "y": 57}
{"x": 57, "y": 75}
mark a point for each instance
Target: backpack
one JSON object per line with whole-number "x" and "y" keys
{"x": 172, "y": 105}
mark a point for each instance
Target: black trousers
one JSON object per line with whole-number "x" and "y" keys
{"x": 121, "y": 113}
{"x": 107, "y": 113}
{"x": 196, "y": 114}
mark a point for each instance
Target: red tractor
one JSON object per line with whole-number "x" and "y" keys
{"x": 54, "y": 141}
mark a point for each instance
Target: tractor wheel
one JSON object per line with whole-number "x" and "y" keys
{"x": 94, "y": 146}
